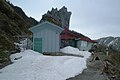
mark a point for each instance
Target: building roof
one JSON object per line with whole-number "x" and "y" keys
{"x": 41, "y": 26}
{"x": 67, "y": 34}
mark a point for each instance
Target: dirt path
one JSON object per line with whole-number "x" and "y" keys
{"x": 93, "y": 71}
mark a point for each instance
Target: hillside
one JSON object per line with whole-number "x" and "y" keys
{"x": 13, "y": 22}
{"x": 113, "y": 42}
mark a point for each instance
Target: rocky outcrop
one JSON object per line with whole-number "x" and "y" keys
{"x": 59, "y": 17}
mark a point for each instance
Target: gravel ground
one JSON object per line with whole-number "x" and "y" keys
{"x": 93, "y": 71}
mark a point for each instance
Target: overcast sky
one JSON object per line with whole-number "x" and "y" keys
{"x": 93, "y": 18}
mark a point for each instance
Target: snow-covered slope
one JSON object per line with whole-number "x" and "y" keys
{"x": 30, "y": 65}
{"x": 114, "y": 42}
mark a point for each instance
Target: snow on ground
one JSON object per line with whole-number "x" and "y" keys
{"x": 72, "y": 50}
{"x": 35, "y": 66}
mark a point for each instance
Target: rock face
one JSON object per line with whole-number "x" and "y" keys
{"x": 113, "y": 42}
{"x": 59, "y": 17}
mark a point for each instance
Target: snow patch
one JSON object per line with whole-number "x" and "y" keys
{"x": 72, "y": 50}
{"x": 35, "y": 66}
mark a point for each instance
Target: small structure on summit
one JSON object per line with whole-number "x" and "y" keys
{"x": 74, "y": 39}
{"x": 46, "y": 37}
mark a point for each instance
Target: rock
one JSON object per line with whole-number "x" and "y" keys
{"x": 18, "y": 58}
{"x": 60, "y": 17}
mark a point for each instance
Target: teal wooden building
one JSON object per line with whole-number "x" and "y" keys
{"x": 46, "y": 37}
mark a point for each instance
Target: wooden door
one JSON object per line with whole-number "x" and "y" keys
{"x": 38, "y": 44}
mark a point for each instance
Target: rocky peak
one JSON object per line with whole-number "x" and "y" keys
{"x": 60, "y": 17}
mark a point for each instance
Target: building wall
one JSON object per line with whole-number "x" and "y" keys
{"x": 78, "y": 44}
{"x": 50, "y": 40}
{"x": 83, "y": 45}
{"x": 70, "y": 42}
